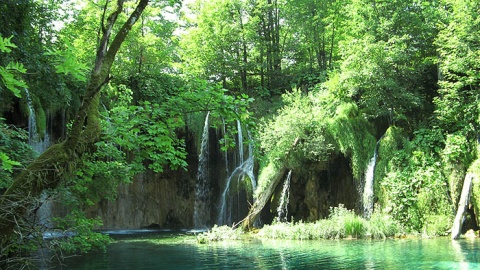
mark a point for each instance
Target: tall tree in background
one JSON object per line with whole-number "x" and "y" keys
{"x": 459, "y": 54}
{"x": 312, "y": 32}
{"x": 388, "y": 54}
{"x": 215, "y": 47}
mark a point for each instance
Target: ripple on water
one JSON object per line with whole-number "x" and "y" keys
{"x": 180, "y": 251}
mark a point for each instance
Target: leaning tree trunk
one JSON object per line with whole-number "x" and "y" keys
{"x": 263, "y": 198}
{"x": 462, "y": 206}
{"x": 57, "y": 162}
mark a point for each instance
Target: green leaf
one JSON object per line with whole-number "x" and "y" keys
{"x": 7, "y": 163}
{"x": 6, "y": 45}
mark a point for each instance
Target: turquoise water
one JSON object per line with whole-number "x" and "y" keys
{"x": 180, "y": 251}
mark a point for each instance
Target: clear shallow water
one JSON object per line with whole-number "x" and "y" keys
{"x": 180, "y": 251}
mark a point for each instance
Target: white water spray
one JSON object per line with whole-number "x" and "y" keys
{"x": 368, "y": 189}
{"x": 202, "y": 189}
{"x": 282, "y": 209}
{"x": 34, "y": 140}
{"x": 243, "y": 171}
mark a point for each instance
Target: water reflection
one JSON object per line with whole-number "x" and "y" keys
{"x": 174, "y": 251}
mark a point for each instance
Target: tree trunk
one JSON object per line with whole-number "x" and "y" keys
{"x": 262, "y": 199}
{"x": 462, "y": 206}
{"x": 60, "y": 160}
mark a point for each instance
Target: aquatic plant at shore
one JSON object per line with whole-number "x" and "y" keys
{"x": 342, "y": 223}
{"x": 219, "y": 233}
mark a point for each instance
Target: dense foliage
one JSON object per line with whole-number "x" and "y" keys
{"x": 330, "y": 79}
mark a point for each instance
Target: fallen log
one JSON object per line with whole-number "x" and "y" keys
{"x": 263, "y": 197}
{"x": 462, "y": 206}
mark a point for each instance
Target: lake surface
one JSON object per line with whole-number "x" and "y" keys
{"x": 167, "y": 250}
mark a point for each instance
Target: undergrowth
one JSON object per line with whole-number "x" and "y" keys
{"x": 341, "y": 223}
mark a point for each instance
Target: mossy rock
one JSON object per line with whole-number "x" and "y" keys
{"x": 392, "y": 141}
{"x": 475, "y": 195}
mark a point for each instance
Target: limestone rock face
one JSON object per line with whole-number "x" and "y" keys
{"x": 151, "y": 200}
{"x": 317, "y": 188}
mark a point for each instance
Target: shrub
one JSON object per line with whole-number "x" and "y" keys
{"x": 382, "y": 226}
{"x": 414, "y": 186}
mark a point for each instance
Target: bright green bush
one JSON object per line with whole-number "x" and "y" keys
{"x": 355, "y": 226}
{"x": 415, "y": 186}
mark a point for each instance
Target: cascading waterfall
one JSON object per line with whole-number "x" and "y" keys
{"x": 202, "y": 189}
{"x": 368, "y": 189}
{"x": 226, "y": 150}
{"x": 34, "y": 140}
{"x": 44, "y": 211}
{"x": 282, "y": 209}
{"x": 240, "y": 142}
{"x": 243, "y": 171}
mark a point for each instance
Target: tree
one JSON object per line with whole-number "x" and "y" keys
{"x": 314, "y": 30}
{"x": 387, "y": 68}
{"x": 55, "y": 164}
{"x": 459, "y": 50}
{"x": 215, "y": 47}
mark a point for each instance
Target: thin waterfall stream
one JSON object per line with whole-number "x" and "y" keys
{"x": 282, "y": 210}
{"x": 202, "y": 189}
{"x": 368, "y": 190}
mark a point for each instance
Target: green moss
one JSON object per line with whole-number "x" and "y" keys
{"x": 41, "y": 121}
{"x": 393, "y": 140}
{"x": 267, "y": 174}
{"x": 475, "y": 196}
{"x": 352, "y": 137}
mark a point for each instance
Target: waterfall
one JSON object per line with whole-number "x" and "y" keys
{"x": 224, "y": 129}
{"x": 202, "y": 189}
{"x": 368, "y": 189}
{"x": 44, "y": 211}
{"x": 242, "y": 171}
{"x": 240, "y": 142}
{"x": 34, "y": 140}
{"x": 282, "y": 210}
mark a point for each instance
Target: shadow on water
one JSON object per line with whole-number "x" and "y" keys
{"x": 179, "y": 250}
